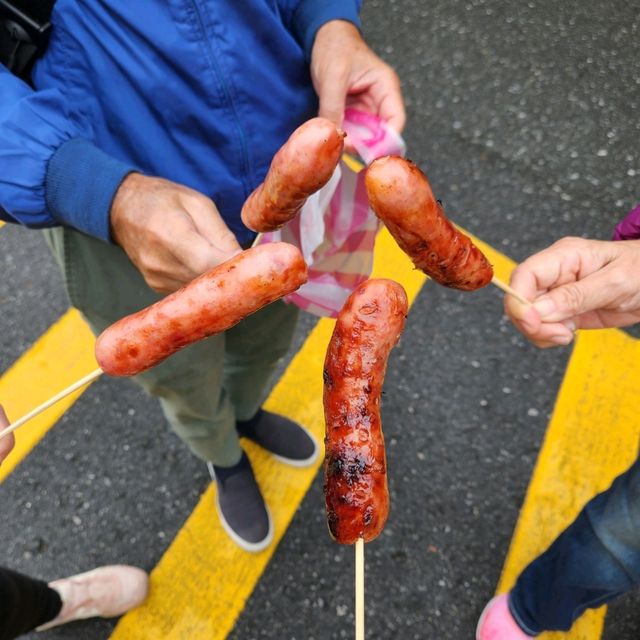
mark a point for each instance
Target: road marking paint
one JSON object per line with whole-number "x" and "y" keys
{"x": 592, "y": 438}
{"x": 60, "y": 357}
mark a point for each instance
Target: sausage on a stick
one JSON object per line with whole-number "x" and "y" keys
{"x": 355, "y": 478}
{"x": 211, "y": 303}
{"x": 401, "y": 197}
{"x": 302, "y": 166}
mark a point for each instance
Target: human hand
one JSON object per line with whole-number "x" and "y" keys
{"x": 347, "y": 73}
{"x": 171, "y": 233}
{"x": 576, "y": 284}
{"x": 6, "y": 443}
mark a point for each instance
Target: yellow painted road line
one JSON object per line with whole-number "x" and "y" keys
{"x": 592, "y": 438}
{"x": 60, "y": 357}
{"x": 202, "y": 582}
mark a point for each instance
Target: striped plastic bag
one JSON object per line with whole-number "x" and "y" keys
{"x": 336, "y": 229}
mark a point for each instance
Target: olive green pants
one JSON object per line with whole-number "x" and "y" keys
{"x": 205, "y": 387}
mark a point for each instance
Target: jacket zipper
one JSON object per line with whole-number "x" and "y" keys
{"x": 227, "y": 94}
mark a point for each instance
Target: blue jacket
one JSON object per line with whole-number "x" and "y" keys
{"x": 201, "y": 92}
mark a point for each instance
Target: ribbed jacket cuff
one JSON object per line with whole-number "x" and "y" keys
{"x": 312, "y": 14}
{"x": 80, "y": 184}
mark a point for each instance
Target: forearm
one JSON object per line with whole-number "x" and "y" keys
{"x": 53, "y": 174}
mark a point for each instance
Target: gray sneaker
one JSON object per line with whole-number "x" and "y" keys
{"x": 285, "y": 439}
{"x": 242, "y": 510}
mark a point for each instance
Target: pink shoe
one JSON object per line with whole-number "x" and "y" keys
{"x": 105, "y": 592}
{"x": 497, "y": 623}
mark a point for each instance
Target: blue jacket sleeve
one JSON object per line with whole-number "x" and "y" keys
{"x": 49, "y": 172}
{"x": 305, "y": 17}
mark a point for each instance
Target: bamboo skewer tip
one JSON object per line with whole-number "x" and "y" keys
{"x": 360, "y": 589}
{"x": 510, "y": 291}
{"x": 49, "y": 403}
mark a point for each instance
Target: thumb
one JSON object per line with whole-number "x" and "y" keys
{"x": 575, "y": 298}
{"x": 333, "y": 95}
{"x": 213, "y": 228}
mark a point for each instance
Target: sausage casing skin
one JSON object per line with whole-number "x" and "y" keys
{"x": 355, "y": 478}
{"x": 302, "y": 166}
{"x": 401, "y": 197}
{"x": 213, "y": 302}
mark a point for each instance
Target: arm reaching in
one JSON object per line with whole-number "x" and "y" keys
{"x": 576, "y": 284}
{"x": 171, "y": 233}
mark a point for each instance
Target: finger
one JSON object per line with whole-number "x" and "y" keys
{"x": 523, "y": 281}
{"x": 390, "y": 105}
{"x": 528, "y": 321}
{"x": 332, "y": 94}
{"x": 596, "y": 291}
{"x": 569, "y": 260}
{"x": 548, "y": 335}
{"x": 193, "y": 251}
{"x": 558, "y": 342}
{"x": 525, "y": 317}
{"x": 211, "y": 226}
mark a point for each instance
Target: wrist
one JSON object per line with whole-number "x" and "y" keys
{"x": 332, "y": 32}
{"x": 342, "y": 28}
{"x": 80, "y": 184}
{"x": 122, "y": 203}
{"x": 311, "y": 16}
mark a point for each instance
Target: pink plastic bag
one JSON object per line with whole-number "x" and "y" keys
{"x": 336, "y": 229}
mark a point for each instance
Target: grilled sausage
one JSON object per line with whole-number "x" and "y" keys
{"x": 401, "y": 197}
{"x": 303, "y": 165}
{"x": 212, "y": 303}
{"x": 355, "y": 479}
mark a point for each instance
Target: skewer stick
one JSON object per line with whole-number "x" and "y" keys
{"x": 256, "y": 240}
{"x": 512, "y": 292}
{"x": 360, "y": 589}
{"x": 45, "y": 405}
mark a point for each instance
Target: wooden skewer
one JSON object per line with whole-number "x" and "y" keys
{"x": 256, "y": 240}
{"x": 512, "y": 292}
{"x": 45, "y": 405}
{"x": 360, "y": 589}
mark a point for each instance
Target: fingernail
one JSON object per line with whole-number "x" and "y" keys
{"x": 544, "y": 306}
{"x": 561, "y": 339}
{"x": 570, "y": 324}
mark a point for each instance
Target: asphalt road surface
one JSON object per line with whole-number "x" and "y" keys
{"x": 525, "y": 118}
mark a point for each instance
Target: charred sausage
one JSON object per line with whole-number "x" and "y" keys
{"x": 401, "y": 197}
{"x": 355, "y": 478}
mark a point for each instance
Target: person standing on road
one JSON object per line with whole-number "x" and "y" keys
{"x": 576, "y": 284}
{"x": 27, "y": 604}
{"x": 148, "y": 126}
